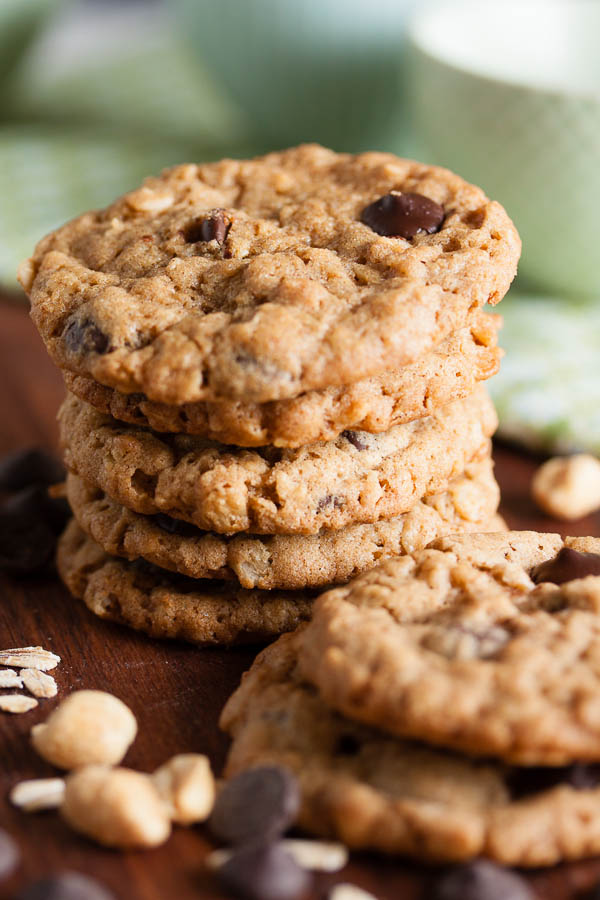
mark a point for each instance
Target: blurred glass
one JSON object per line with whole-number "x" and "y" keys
{"x": 317, "y": 70}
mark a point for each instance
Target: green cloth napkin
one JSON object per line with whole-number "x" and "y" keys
{"x": 548, "y": 390}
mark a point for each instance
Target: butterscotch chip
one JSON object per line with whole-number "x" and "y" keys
{"x": 568, "y": 487}
{"x": 449, "y": 372}
{"x": 187, "y": 787}
{"x": 87, "y": 727}
{"x": 115, "y": 807}
{"x": 357, "y": 478}
{"x": 487, "y": 644}
{"x": 258, "y": 279}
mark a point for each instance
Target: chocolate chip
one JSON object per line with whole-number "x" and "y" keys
{"x": 347, "y": 745}
{"x": 84, "y": 336}
{"x": 522, "y": 781}
{"x": 264, "y": 872}
{"x": 481, "y": 880}
{"x": 175, "y": 526}
{"x": 9, "y": 854}
{"x": 29, "y": 524}
{"x": 214, "y": 227}
{"x": 330, "y": 501}
{"x": 567, "y": 566}
{"x": 354, "y": 438}
{"x": 259, "y": 803}
{"x": 26, "y": 467}
{"x": 66, "y": 886}
{"x": 403, "y": 215}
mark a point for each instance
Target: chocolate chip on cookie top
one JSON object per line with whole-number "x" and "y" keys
{"x": 404, "y": 215}
{"x": 259, "y": 279}
{"x": 568, "y": 565}
{"x": 458, "y": 646}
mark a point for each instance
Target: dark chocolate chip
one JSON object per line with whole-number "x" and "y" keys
{"x": 522, "y": 781}
{"x": 9, "y": 854}
{"x": 29, "y": 524}
{"x": 355, "y": 438}
{"x": 330, "y": 500}
{"x": 403, "y": 215}
{"x": 264, "y": 872}
{"x": 257, "y": 804}
{"x": 84, "y": 336}
{"x": 347, "y": 745}
{"x": 567, "y": 566}
{"x": 175, "y": 526}
{"x": 31, "y": 466}
{"x": 66, "y": 886}
{"x": 481, "y": 880}
{"x": 214, "y": 227}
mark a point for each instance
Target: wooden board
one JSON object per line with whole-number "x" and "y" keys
{"x": 175, "y": 690}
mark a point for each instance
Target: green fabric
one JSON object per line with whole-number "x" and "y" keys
{"x": 548, "y": 390}
{"x": 74, "y": 140}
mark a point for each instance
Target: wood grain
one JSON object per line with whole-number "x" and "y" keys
{"x": 175, "y": 691}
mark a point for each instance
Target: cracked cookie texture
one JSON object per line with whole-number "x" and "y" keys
{"x": 357, "y": 478}
{"x": 257, "y": 280}
{"x": 450, "y": 371}
{"x": 164, "y": 605}
{"x": 463, "y": 645}
{"x": 378, "y": 792}
{"x": 286, "y": 561}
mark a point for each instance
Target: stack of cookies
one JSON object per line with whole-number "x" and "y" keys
{"x": 444, "y": 705}
{"x": 275, "y": 377}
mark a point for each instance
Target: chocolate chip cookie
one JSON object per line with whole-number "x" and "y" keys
{"x": 164, "y": 605}
{"x": 357, "y": 478}
{"x": 487, "y": 644}
{"x": 262, "y": 279}
{"x": 450, "y": 371}
{"x": 375, "y": 791}
{"x": 285, "y": 561}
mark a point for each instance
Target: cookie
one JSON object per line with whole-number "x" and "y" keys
{"x": 163, "y": 605}
{"x": 449, "y": 372}
{"x": 284, "y": 561}
{"x": 359, "y": 477}
{"x": 472, "y": 644}
{"x": 378, "y": 792}
{"x": 262, "y": 279}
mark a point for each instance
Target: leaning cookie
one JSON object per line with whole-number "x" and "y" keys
{"x": 449, "y": 372}
{"x": 487, "y": 644}
{"x": 377, "y": 792}
{"x": 262, "y": 279}
{"x": 164, "y": 605}
{"x": 357, "y": 478}
{"x": 285, "y": 561}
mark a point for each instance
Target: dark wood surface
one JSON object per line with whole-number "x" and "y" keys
{"x": 176, "y": 691}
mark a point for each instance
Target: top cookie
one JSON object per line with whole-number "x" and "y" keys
{"x": 266, "y": 278}
{"x": 489, "y": 644}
